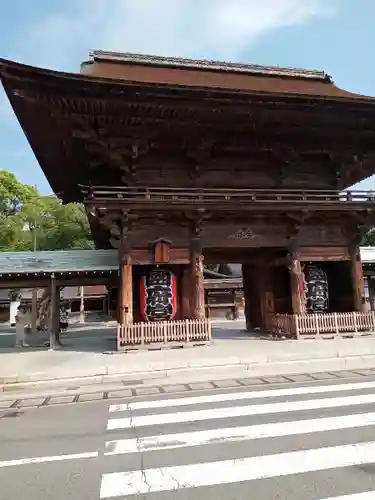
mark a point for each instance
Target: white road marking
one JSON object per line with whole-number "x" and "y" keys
{"x": 367, "y": 495}
{"x": 233, "y": 471}
{"x": 237, "y": 411}
{"x": 40, "y": 460}
{"x": 214, "y": 436}
{"x": 234, "y": 396}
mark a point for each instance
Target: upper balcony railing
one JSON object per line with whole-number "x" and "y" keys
{"x": 208, "y": 196}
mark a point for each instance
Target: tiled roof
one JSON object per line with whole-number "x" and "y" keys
{"x": 180, "y": 62}
{"x": 58, "y": 261}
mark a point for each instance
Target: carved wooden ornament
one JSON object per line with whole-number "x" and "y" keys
{"x": 243, "y": 233}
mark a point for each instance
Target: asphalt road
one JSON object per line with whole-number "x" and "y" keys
{"x": 313, "y": 441}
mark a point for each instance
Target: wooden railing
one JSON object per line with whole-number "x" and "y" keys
{"x": 308, "y": 325}
{"x": 214, "y": 195}
{"x": 163, "y": 332}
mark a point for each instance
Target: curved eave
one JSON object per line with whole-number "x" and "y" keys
{"x": 13, "y": 71}
{"x": 22, "y": 83}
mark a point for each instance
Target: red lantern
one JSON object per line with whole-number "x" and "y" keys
{"x": 158, "y": 297}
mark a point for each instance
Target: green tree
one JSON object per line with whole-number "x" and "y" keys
{"x": 29, "y": 220}
{"x": 369, "y": 238}
{"x": 13, "y": 194}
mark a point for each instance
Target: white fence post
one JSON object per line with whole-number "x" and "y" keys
{"x": 355, "y": 321}
{"x": 296, "y": 323}
{"x": 336, "y": 323}
{"x": 317, "y": 324}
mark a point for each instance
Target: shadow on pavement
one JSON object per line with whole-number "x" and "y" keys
{"x": 236, "y": 330}
{"x": 80, "y": 339}
{"x": 94, "y": 337}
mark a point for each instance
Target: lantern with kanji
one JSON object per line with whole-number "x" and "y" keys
{"x": 158, "y": 295}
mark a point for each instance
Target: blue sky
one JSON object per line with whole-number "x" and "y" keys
{"x": 334, "y": 35}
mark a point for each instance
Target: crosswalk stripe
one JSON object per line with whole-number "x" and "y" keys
{"x": 367, "y": 495}
{"x": 201, "y": 438}
{"x": 233, "y": 471}
{"x": 237, "y": 411}
{"x": 233, "y": 396}
{"x": 42, "y": 460}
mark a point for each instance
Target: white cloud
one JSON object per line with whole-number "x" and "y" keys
{"x": 221, "y": 29}
{"x": 209, "y": 29}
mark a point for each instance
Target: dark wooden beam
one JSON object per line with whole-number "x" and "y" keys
{"x": 23, "y": 282}
{"x": 223, "y": 283}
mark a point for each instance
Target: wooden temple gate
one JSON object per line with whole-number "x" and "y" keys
{"x": 179, "y": 161}
{"x": 273, "y": 260}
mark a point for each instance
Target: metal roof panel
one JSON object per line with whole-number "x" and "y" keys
{"x": 60, "y": 261}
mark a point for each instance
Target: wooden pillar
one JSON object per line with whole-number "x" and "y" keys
{"x": 110, "y": 304}
{"x": 34, "y": 310}
{"x": 126, "y": 281}
{"x": 265, "y": 289}
{"x": 239, "y": 301}
{"x": 185, "y": 293}
{"x": 371, "y": 292}
{"x": 54, "y": 329}
{"x": 296, "y": 285}
{"x": 197, "y": 310}
{"x": 82, "y": 304}
{"x": 246, "y": 280}
{"x": 127, "y": 291}
{"x": 357, "y": 279}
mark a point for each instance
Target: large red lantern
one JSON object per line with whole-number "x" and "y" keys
{"x": 158, "y": 298}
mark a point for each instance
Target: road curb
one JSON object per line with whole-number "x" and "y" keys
{"x": 193, "y": 373}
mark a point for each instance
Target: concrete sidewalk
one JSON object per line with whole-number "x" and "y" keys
{"x": 232, "y": 351}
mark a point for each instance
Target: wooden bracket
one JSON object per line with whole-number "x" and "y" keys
{"x": 198, "y": 155}
{"x": 196, "y": 246}
{"x": 131, "y": 158}
{"x": 197, "y": 220}
{"x": 296, "y": 222}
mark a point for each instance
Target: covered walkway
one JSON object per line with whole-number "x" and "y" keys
{"x": 52, "y": 271}
{"x": 68, "y": 267}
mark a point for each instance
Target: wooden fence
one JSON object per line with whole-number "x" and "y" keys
{"x": 163, "y": 333}
{"x": 309, "y": 325}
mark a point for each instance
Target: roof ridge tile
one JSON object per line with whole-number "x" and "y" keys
{"x": 181, "y": 62}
